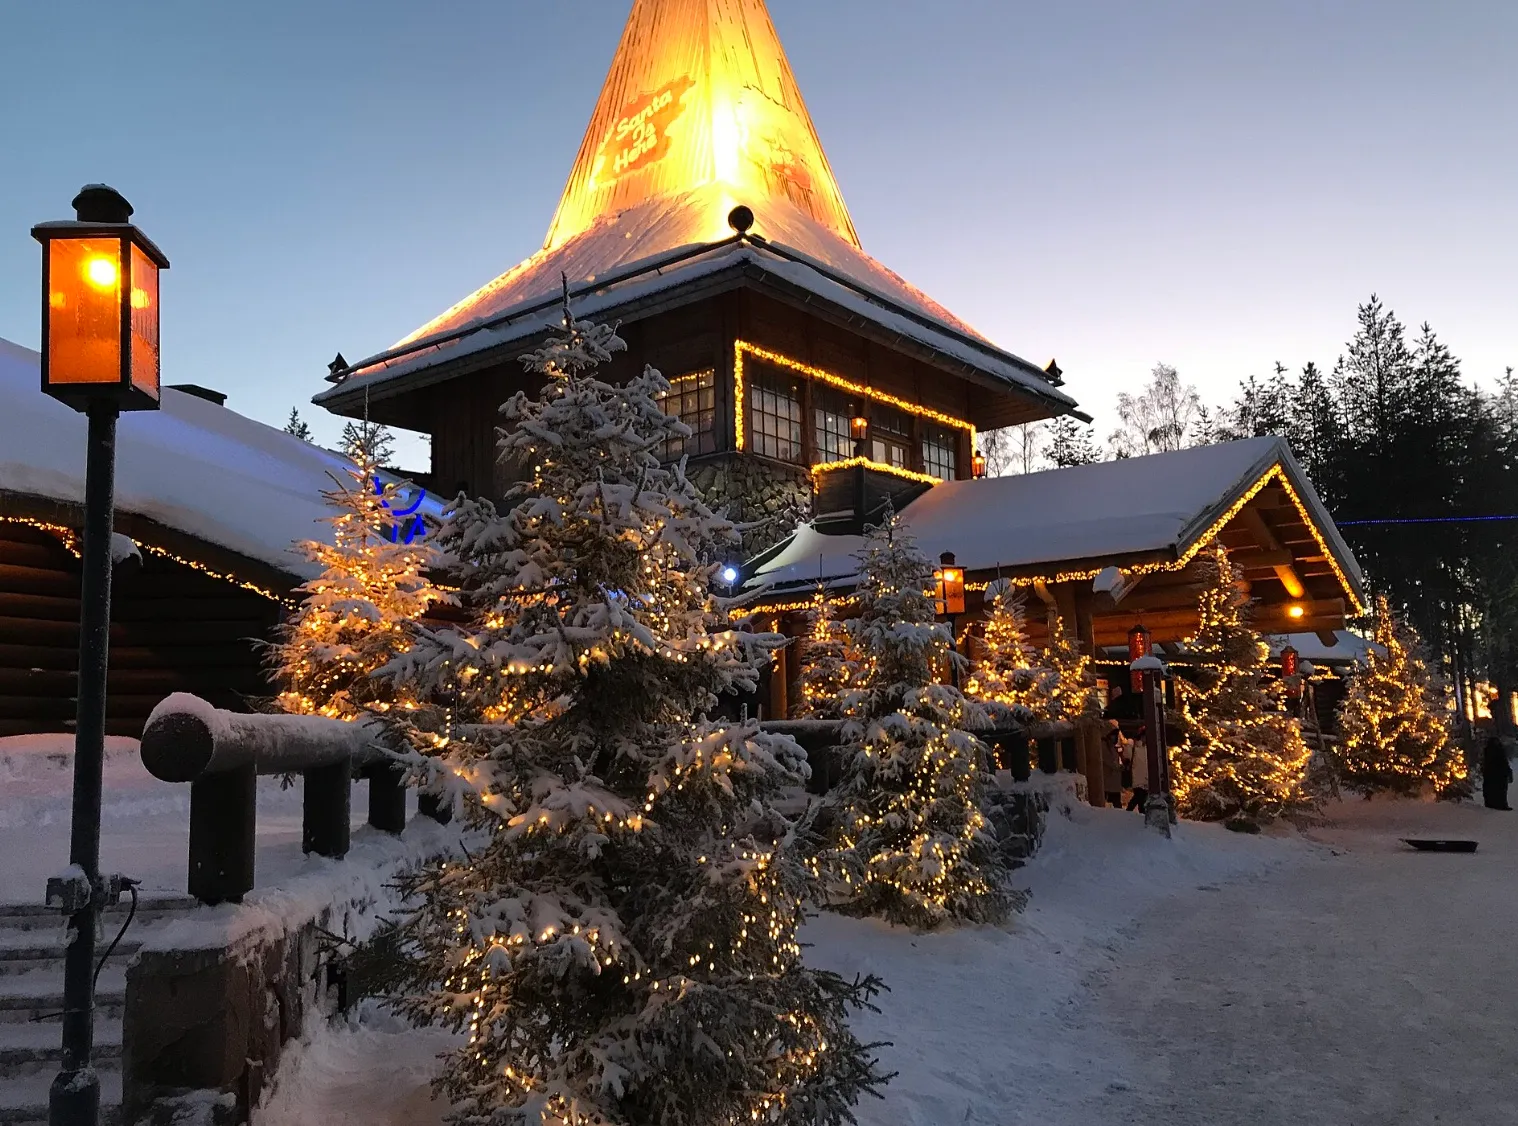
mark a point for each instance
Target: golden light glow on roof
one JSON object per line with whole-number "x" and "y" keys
{"x": 700, "y": 93}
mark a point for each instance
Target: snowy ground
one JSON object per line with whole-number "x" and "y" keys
{"x": 1338, "y": 979}
{"x": 1211, "y": 979}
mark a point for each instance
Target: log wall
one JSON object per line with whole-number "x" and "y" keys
{"x": 173, "y": 629}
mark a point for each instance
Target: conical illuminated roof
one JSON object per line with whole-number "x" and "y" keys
{"x": 700, "y": 113}
{"x": 700, "y": 94}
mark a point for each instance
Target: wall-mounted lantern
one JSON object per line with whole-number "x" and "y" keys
{"x": 1289, "y": 661}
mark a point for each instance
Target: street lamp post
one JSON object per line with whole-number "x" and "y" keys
{"x": 950, "y": 582}
{"x": 100, "y": 356}
{"x": 1149, "y": 670}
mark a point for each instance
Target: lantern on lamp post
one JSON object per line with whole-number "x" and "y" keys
{"x": 978, "y": 465}
{"x": 99, "y": 356}
{"x": 949, "y": 580}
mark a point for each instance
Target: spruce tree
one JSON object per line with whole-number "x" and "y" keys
{"x": 912, "y": 843}
{"x": 1243, "y": 756}
{"x": 825, "y": 664}
{"x": 1070, "y": 443}
{"x": 1071, "y": 695}
{"x": 619, "y": 943}
{"x": 364, "y": 441}
{"x": 296, "y": 427}
{"x": 353, "y": 618}
{"x": 1006, "y": 667}
{"x": 1393, "y": 722}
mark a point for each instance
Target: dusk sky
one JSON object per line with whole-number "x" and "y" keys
{"x": 1109, "y": 182}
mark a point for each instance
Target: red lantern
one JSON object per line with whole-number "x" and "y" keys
{"x": 1140, "y": 644}
{"x": 1289, "y": 662}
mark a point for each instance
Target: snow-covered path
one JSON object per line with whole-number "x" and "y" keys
{"x": 1210, "y": 979}
{"x": 1371, "y": 985}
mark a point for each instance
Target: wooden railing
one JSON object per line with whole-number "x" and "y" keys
{"x": 221, "y": 754}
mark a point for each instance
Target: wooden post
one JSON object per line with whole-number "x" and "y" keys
{"x": 326, "y": 809}
{"x": 1048, "y": 756}
{"x": 434, "y": 806}
{"x": 779, "y": 703}
{"x": 387, "y": 797}
{"x": 1074, "y": 602}
{"x": 223, "y": 826}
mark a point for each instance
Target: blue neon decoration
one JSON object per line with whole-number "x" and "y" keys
{"x": 417, "y": 527}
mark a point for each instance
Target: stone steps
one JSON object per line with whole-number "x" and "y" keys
{"x": 32, "y": 945}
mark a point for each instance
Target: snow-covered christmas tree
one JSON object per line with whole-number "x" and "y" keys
{"x": 1007, "y": 669}
{"x": 1071, "y": 694}
{"x": 913, "y": 845}
{"x": 1394, "y": 724}
{"x": 620, "y": 945}
{"x": 1243, "y": 757}
{"x": 353, "y": 618}
{"x": 825, "y": 664}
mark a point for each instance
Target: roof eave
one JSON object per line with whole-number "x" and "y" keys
{"x": 747, "y": 270}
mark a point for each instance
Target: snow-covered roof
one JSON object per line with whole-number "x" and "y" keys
{"x": 1348, "y": 647}
{"x": 700, "y": 113}
{"x": 722, "y": 262}
{"x": 1083, "y": 517}
{"x": 193, "y": 466}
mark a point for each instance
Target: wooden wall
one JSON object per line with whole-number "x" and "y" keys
{"x": 173, "y": 629}
{"x": 464, "y": 411}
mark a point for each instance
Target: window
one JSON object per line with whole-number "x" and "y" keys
{"x": 890, "y": 437}
{"x": 940, "y": 452}
{"x": 774, "y": 407}
{"x": 831, "y": 411}
{"x": 692, "y": 398}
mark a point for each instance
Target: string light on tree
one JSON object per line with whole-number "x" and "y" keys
{"x": 620, "y": 947}
{"x": 1242, "y": 756}
{"x": 913, "y": 845}
{"x": 1394, "y": 719}
{"x": 353, "y": 619}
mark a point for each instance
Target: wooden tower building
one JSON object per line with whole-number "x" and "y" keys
{"x": 703, "y": 217}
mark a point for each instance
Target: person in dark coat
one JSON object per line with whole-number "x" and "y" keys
{"x": 1496, "y": 773}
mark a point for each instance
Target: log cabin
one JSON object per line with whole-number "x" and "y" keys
{"x": 209, "y": 504}
{"x": 703, "y": 218}
{"x": 1106, "y": 546}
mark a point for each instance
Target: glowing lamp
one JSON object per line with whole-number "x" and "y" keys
{"x": 729, "y": 574}
{"x": 1289, "y": 661}
{"x": 978, "y": 464}
{"x": 1140, "y": 645}
{"x": 859, "y": 428}
{"x": 950, "y": 580}
{"x": 100, "y": 305}
{"x": 1296, "y": 610}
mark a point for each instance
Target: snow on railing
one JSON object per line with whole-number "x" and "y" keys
{"x": 221, "y": 754}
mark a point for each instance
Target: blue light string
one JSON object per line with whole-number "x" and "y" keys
{"x": 418, "y": 526}
{"x": 1425, "y": 520}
